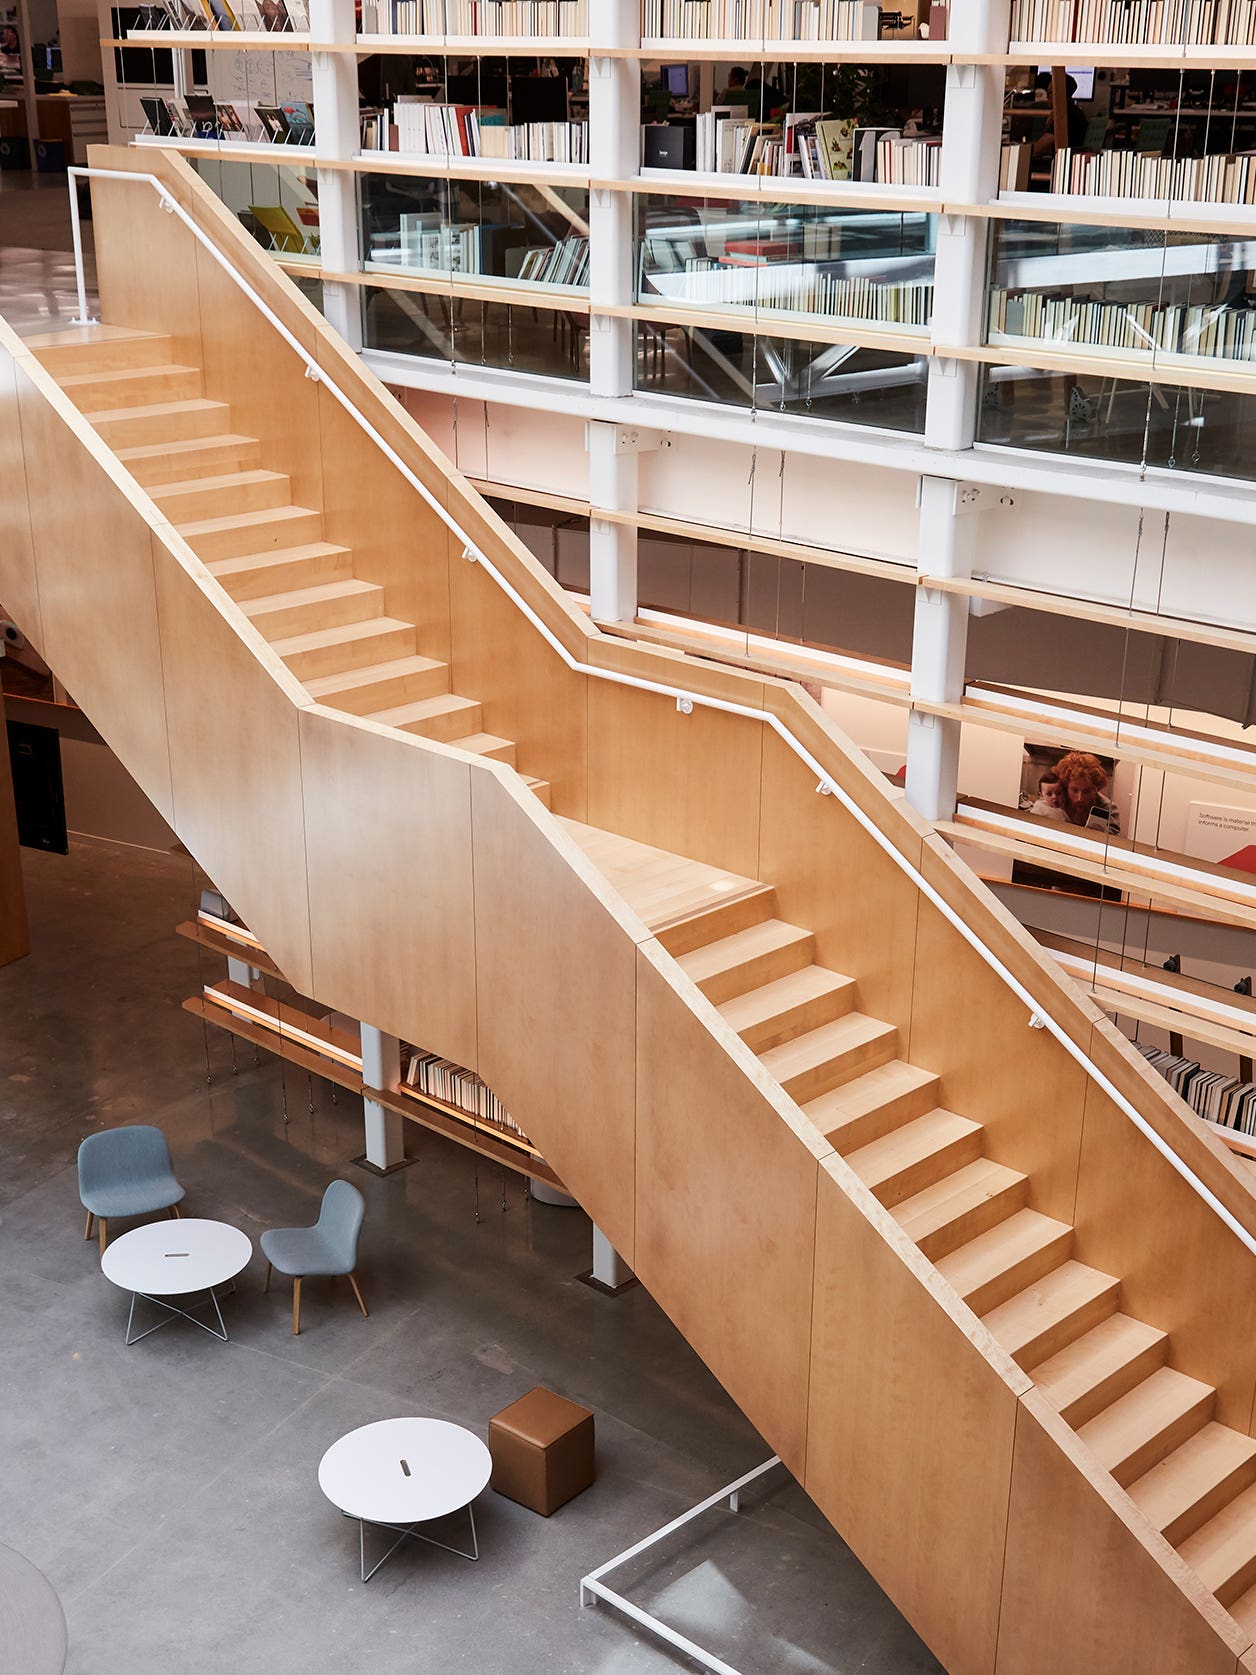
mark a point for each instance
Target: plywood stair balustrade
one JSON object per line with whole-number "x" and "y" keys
{"x": 1109, "y": 1376}
{"x": 331, "y": 628}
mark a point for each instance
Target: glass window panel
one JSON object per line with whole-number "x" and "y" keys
{"x": 798, "y": 261}
{"x": 513, "y": 336}
{"x": 1147, "y": 298}
{"x": 277, "y": 203}
{"x": 509, "y": 234}
{"x": 783, "y": 374}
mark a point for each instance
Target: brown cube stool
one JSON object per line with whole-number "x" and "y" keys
{"x": 542, "y": 1448}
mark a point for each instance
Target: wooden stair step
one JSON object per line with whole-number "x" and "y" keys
{"x": 487, "y": 744}
{"x": 376, "y": 686}
{"x": 303, "y": 610}
{"x": 162, "y": 421}
{"x": 540, "y": 788}
{"x": 1085, "y": 1377}
{"x": 1186, "y": 1490}
{"x": 996, "y": 1264}
{"x": 162, "y": 462}
{"x": 747, "y": 959}
{"x": 789, "y": 1006}
{"x": 329, "y": 650}
{"x": 1243, "y": 1610}
{"x": 918, "y": 1154}
{"x": 946, "y": 1215}
{"x": 254, "y": 575}
{"x": 826, "y": 1057}
{"x": 1054, "y": 1311}
{"x": 687, "y": 932}
{"x": 1223, "y": 1552}
{"x": 445, "y": 716}
{"x": 873, "y": 1104}
{"x": 238, "y": 491}
{"x": 1139, "y": 1429}
{"x": 100, "y": 349}
{"x": 130, "y": 386}
{"x": 251, "y": 532}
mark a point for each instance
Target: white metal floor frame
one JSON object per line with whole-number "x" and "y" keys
{"x": 592, "y": 1588}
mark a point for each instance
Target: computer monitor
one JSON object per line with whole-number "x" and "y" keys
{"x": 1084, "y": 77}
{"x": 676, "y": 80}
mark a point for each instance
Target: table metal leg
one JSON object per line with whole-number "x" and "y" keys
{"x": 412, "y": 1531}
{"x": 211, "y": 1296}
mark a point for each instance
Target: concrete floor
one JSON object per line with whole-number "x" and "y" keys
{"x": 169, "y": 1489}
{"x": 38, "y": 291}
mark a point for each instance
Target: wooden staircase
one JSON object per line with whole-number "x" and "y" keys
{"x": 331, "y": 628}
{"x": 1108, "y": 1375}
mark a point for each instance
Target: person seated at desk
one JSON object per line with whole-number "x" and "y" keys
{"x": 1045, "y": 145}
{"x": 764, "y": 98}
{"x": 735, "y": 93}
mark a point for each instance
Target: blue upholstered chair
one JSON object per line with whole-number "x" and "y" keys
{"x": 329, "y": 1247}
{"x": 125, "y": 1172}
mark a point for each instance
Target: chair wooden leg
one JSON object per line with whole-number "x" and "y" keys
{"x": 266, "y": 1287}
{"x": 296, "y": 1307}
{"x": 353, "y": 1282}
{"x": 87, "y": 1231}
{"x": 176, "y": 1212}
{"x": 103, "y": 1226}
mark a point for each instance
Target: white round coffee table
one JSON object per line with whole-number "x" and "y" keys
{"x": 402, "y": 1472}
{"x": 176, "y": 1259}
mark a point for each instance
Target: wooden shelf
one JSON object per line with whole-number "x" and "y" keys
{"x": 903, "y": 51}
{"x": 460, "y": 1126}
{"x": 478, "y": 46}
{"x": 228, "y": 151}
{"x": 769, "y": 322}
{"x": 230, "y": 947}
{"x": 291, "y": 1052}
{"x": 508, "y": 169}
{"x": 466, "y": 286}
{"x": 1080, "y": 209}
{"x": 1179, "y": 371}
{"x": 844, "y": 194}
{"x": 224, "y": 40}
{"x": 1136, "y": 55}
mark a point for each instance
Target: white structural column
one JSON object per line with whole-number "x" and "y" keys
{"x": 970, "y": 160}
{"x": 381, "y": 1068}
{"x": 609, "y": 1267}
{"x": 337, "y": 134}
{"x": 614, "y": 138}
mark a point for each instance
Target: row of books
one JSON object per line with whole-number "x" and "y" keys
{"x": 801, "y": 288}
{"x": 1218, "y": 1098}
{"x": 1135, "y": 22}
{"x": 779, "y": 20}
{"x": 473, "y": 247}
{"x": 423, "y": 128}
{"x": 198, "y": 117}
{"x": 1210, "y": 330}
{"x": 265, "y": 16}
{"x": 565, "y": 263}
{"x": 489, "y": 18}
{"x": 444, "y": 1080}
{"x": 1226, "y": 177}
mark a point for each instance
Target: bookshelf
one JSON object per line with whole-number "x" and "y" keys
{"x": 436, "y": 1093}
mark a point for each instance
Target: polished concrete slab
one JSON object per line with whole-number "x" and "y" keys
{"x": 38, "y": 289}
{"x": 169, "y": 1489}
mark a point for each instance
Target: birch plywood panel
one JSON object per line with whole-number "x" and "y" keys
{"x": 910, "y": 1428}
{"x": 688, "y": 783}
{"x": 726, "y": 1194}
{"x": 835, "y": 880}
{"x": 19, "y": 593}
{"x": 403, "y": 956}
{"x": 975, "y": 1032}
{"x": 528, "y": 693}
{"x": 94, "y": 565}
{"x": 1089, "y": 1586}
{"x": 556, "y": 984}
{"x": 1181, "y": 1267}
{"x": 235, "y": 761}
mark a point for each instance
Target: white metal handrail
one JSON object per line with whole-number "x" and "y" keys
{"x": 1039, "y": 1014}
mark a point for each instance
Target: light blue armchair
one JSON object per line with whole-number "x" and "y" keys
{"x": 329, "y": 1247}
{"x": 125, "y": 1172}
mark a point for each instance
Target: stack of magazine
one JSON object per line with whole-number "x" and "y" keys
{"x": 198, "y": 117}
{"x": 261, "y": 16}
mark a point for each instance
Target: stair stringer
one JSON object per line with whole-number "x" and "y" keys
{"x": 632, "y": 1064}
